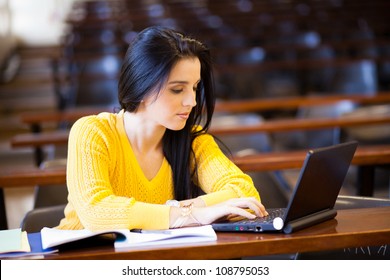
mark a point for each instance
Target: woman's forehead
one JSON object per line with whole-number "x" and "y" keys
{"x": 186, "y": 70}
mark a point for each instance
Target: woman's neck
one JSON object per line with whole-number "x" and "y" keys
{"x": 144, "y": 136}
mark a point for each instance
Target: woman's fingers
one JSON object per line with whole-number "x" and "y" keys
{"x": 245, "y": 207}
{"x": 233, "y": 210}
{"x": 250, "y": 203}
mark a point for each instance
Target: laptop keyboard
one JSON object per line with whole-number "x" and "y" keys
{"x": 272, "y": 214}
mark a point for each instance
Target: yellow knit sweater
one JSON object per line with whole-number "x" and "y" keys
{"x": 108, "y": 190}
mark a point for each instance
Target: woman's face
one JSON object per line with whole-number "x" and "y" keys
{"x": 171, "y": 107}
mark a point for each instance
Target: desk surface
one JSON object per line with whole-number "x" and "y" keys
{"x": 350, "y": 228}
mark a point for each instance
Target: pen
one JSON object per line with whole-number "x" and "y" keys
{"x": 137, "y": 230}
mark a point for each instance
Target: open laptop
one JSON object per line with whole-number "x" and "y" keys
{"x": 313, "y": 198}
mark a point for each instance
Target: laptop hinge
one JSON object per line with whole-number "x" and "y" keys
{"x": 310, "y": 220}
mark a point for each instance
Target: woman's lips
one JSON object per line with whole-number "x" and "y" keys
{"x": 184, "y": 115}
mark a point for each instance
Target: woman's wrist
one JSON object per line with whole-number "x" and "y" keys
{"x": 197, "y": 202}
{"x": 182, "y": 214}
{"x": 173, "y": 203}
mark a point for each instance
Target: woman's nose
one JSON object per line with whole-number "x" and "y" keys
{"x": 190, "y": 99}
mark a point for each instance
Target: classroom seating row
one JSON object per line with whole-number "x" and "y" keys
{"x": 39, "y": 137}
{"x": 100, "y": 31}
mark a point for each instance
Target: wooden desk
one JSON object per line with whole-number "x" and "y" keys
{"x": 60, "y": 137}
{"x": 371, "y": 155}
{"x": 31, "y": 177}
{"x": 350, "y": 228}
{"x": 27, "y": 177}
{"x": 364, "y": 156}
{"x": 231, "y": 106}
{"x": 35, "y": 120}
{"x": 301, "y": 124}
{"x": 312, "y": 100}
{"x": 367, "y": 158}
{"x": 294, "y": 65}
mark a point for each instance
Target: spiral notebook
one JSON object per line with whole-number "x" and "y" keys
{"x": 314, "y": 196}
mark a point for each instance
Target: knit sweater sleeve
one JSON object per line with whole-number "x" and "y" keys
{"x": 93, "y": 193}
{"x": 217, "y": 175}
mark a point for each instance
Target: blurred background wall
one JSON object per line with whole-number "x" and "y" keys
{"x": 38, "y": 22}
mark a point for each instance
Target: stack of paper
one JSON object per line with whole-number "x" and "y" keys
{"x": 52, "y": 238}
{"x": 15, "y": 243}
{"x": 173, "y": 236}
{"x": 14, "y": 240}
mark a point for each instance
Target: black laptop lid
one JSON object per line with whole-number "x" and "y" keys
{"x": 320, "y": 180}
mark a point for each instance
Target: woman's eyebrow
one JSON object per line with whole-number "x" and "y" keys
{"x": 182, "y": 82}
{"x": 178, "y": 82}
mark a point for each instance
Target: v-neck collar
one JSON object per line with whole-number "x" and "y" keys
{"x": 127, "y": 147}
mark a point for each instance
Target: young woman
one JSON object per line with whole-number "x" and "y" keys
{"x": 153, "y": 165}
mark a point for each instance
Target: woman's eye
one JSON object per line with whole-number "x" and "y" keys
{"x": 177, "y": 90}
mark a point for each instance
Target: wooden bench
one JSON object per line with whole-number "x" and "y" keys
{"x": 268, "y": 161}
{"x": 311, "y": 100}
{"x": 60, "y": 137}
{"x": 296, "y": 65}
{"x": 35, "y": 120}
{"x": 233, "y": 106}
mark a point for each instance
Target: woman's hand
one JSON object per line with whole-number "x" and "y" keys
{"x": 234, "y": 206}
{"x": 208, "y": 214}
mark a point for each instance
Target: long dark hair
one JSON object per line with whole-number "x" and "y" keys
{"x": 147, "y": 64}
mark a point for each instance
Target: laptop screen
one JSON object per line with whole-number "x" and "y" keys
{"x": 320, "y": 180}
